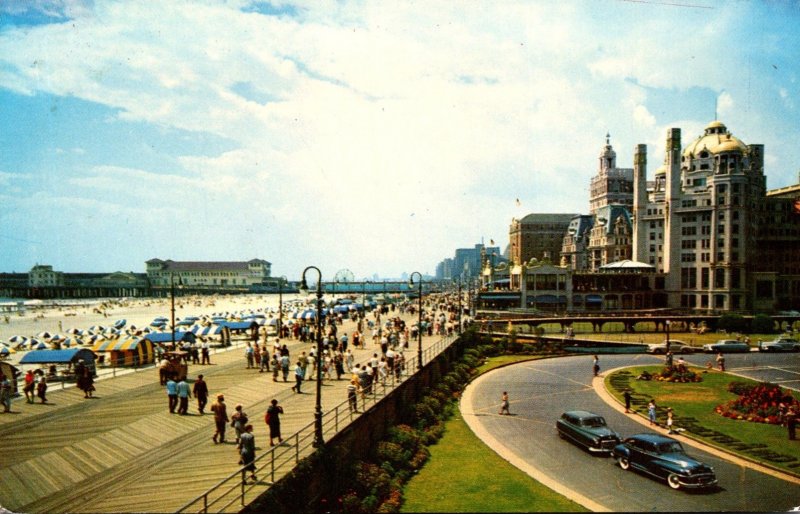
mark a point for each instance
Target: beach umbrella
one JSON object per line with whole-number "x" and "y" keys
{"x": 5, "y": 351}
{"x": 120, "y": 323}
{"x": 57, "y": 337}
{"x": 96, "y": 329}
{"x": 71, "y": 341}
{"x": 17, "y": 339}
{"x": 44, "y": 335}
{"x": 74, "y": 331}
{"x": 41, "y": 346}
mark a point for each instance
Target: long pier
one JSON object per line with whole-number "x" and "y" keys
{"x": 122, "y": 451}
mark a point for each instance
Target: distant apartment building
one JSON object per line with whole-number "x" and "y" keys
{"x": 467, "y": 262}
{"x": 208, "y": 275}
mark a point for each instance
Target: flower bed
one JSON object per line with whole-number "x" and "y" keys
{"x": 760, "y": 403}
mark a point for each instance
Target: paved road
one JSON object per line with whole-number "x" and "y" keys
{"x": 541, "y": 390}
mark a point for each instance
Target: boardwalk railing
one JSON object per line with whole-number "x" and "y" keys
{"x": 233, "y": 492}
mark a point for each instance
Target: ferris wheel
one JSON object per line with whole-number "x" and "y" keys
{"x": 344, "y": 276}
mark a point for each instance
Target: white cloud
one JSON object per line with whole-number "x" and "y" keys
{"x": 361, "y": 129}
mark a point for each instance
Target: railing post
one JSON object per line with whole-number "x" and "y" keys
{"x": 241, "y": 498}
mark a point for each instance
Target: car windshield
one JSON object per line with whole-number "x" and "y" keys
{"x": 672, "y": 447}
{"x": 594, "y": 422}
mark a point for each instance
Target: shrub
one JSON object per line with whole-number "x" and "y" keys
{"x": 393, "y": 454}
{"x": 732, "y": 322}
{"x": 406, "y": 437}
{"x": 763, "y": 324}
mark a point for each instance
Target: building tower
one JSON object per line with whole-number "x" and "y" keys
{"x": 639, "y": 203}
{"x": 672, "y": 221}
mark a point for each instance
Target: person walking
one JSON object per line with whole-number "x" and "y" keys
{"x": 596, "y": 366}
{"x": 298, "y": 377}
{"x": 627, "y": 396}
{"x": 791, "y": 423}
{"x": 220, "y": 411}
{"x": 264, "y": 359}
{"x": 352, "y": 395}
{"x": 504, "y": 405}
{"x": 276, "y": 367}
{"x": 273, "y": 420}
{"x": 669, "y": 421}
{"x": 206, "y": 353}
{"x": 239, "y": 420}
{"x": 200, "y": 390}
{"x": 41, "y": 389}
{"x": 247, "y": 450}
{"x": 5, "y": 392}
{"x": 30, "y": 385}
{"x": 720, "y": 361}
{"x": 285, "y": 367}
{"x": 651, "y": 412}
{"x": 248, "y": 354}
{"x": 172, "y": 394}
{"x": 184, "y": 393}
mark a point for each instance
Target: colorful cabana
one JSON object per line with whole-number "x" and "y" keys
{"x": 130, "y": 351}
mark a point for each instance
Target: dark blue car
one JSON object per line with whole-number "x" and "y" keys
{"x": 588, "y": 430}
{"x": 663, "y": 458}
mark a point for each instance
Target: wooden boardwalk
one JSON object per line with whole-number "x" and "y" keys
{"x": 124, "y": 452}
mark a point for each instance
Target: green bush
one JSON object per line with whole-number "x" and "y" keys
{"x": 763, "y": 324}
{"x": 392, "y": 454}
{"x": 732, "y": 323}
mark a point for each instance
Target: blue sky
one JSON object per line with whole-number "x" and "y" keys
{"x": 371, "y": 136}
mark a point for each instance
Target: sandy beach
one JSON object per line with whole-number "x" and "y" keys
{"x": 138, "y": 312}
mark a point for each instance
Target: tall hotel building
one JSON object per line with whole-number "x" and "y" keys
{"x": 705, "y": 221}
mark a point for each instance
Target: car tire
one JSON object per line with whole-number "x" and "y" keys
{"x": 561, "y": 434}
{"x": 673, "y": 481}
{"x": 624, "y": 463}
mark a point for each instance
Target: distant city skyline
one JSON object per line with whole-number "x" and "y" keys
{"x": 375, "y": 137}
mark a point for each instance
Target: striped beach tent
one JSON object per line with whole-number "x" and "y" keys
{"x": 127, "y": 351}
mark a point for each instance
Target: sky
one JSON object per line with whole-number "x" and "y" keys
{"x": 374, "y": 136}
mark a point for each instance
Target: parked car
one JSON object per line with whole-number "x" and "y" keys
{"x": 664, "y": 458}
{"x": 675, "y": 346}
{"x": 726, "y": 346}
{"x": 588, "y": 430}
{"x": 781, "y": 344}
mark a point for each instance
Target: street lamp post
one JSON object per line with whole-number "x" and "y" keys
{"x": 419, "y": 321}
{"x": 667, "y": 323}
{"x": 459, "y": 306}
{"x": 364, "y": 294}
{"x": 318, "y": 441}
{"x": 280, "y": 305}
{"x": 172, "y": 295}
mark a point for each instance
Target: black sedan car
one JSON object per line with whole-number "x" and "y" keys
{"x": 588, "y": 430}
{"x": 663, "y": 458}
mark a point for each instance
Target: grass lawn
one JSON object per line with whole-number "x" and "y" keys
{"x": 465, "y": 475}
{"x": 693, "y": 405}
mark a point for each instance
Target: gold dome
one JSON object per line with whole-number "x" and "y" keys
{"x": 716, "y": 139}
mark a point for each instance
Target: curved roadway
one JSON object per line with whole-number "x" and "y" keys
{"x": 541, "y": 390}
